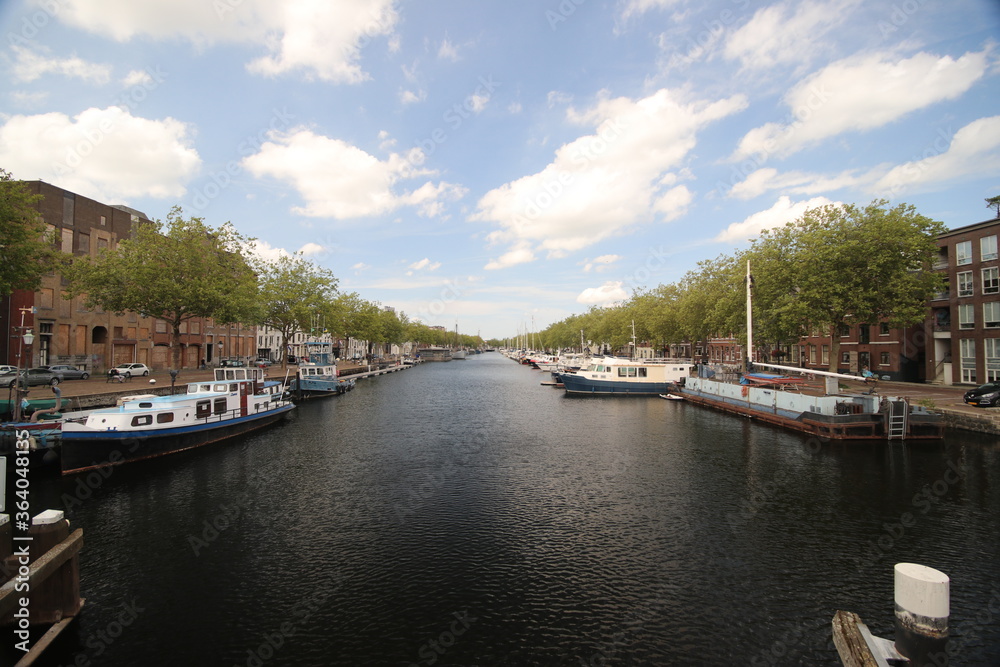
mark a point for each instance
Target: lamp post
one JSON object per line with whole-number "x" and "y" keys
{"x": 27, "y": 339}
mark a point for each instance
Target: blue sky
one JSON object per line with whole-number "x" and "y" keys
{"x": 503, "y": 165}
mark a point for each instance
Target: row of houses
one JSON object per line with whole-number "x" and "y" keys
{"x": 65, "y": 331}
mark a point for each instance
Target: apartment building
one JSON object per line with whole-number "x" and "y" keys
{"x": 964, "y": 318}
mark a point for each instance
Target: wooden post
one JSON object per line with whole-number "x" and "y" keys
{"x": 922, "y": 606}
{"x": 59, "y": 595}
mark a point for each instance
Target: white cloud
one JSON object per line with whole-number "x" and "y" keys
{"x": 448, "y": 51}
{"x": 519, "y": 255}
{"x": 320, "y": 38}
{"x": 311, "y": 249}
{"x": 338, "y": 180}
{"x": 425, "y": 263}
{"x": 407, "y": 97}
{"x": 786, "y": 33}
{"x": 266, "y": 251}
{"x": 609, "y": 292}
{"x": 105, "y": 154}
{"x": 796, "y": 182}
{"x": 974, "y": 150}
{"x": 137, "y": 77}
{"x": 632, "y": 8}
{"x": 31, "y": 65}
{"x": 599, "y": 264}
{"x": 783, "y": 212}
{"x": 858, "y": 94}
{"x": 603, "y": 183}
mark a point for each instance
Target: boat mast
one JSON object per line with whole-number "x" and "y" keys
{"x": 749, "y": 351}
{"x": 633, "y": 339}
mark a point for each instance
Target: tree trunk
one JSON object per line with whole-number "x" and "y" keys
{"x": 834, "y": 349}
{"x": 175, "y": 346}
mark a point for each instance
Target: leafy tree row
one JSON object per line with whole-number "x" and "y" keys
{"x": 836, "y": 266}
{"x": 182, "y": 269}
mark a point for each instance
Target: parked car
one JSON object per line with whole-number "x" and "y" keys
{"x": 131, "y": 370}
{"x": 233, "y": 363}
{"x": 985, "y": 396}
{"x": 6, "y": 369}
{"x": 262, "y": 363}
{"x": 30, "y": 378}
{"x": 66, "y": 372}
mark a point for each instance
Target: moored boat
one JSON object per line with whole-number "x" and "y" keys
{"x": 629, "y": 377}
{"x": 319, "y": 378}
{"x": 236, "y": 401}
{"x": 835, "y": 416}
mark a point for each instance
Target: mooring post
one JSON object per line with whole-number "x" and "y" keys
{"x": 922, "y": 606}
{"x": 6, "y": 543}
{"x": 58, "y": 596}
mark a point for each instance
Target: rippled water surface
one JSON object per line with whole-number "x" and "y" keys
{"x": 462, "y": 514}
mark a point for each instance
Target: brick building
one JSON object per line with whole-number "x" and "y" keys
{"x": 964, "y": 319}
{"x": 66, "y": 332}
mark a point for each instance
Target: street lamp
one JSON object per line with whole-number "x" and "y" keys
{"x": 27, "y": 339}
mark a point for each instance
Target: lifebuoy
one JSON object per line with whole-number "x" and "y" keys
{"x": 746, "y": 390}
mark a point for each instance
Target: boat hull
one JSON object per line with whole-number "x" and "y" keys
{"x": 577, "y": 384}
{"x": 86, "y": 450}
{"x": 771, "y": 406}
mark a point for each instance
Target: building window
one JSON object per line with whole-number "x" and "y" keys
{"x": 826, "y": 355}
{"x": 966, "y": 316}
{"x": 883, "y": 358}
{"x": 987, "y": 248}
{"x": 967, "y": 352}
{"x": 67, "y": 241}
{"x": 963, "y": 253}
{"x": 991, "y": 280}
{"x": 45, "y": 296}
{"x": 69, "y": 204}
{"x": 83, "y": 243}
{"x": 812, "y": 354}
{"x": 991, "y": 314}
{"x": 161, "y": 326}
{"x": 864, "y": 334}
{"x": 104, "y": 221}
{"x": 883, "y": 329}
{"x": 843, "y": 330}
{"x": 965, "y": 283}
{"x": 845, "y": 358}
{"x": 991, "y": 350}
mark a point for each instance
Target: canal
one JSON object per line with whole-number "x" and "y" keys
{"x": 461, "y": 514}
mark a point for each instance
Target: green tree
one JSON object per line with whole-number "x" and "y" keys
{"x": 994, "y": 202}
{"x": 175, "y": 272}
{"x": 294, "y": 295}
{"x": 846, "y": 265}
{"x": 26, "y": 252}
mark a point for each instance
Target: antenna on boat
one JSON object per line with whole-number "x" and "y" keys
{"x": 749, "y": 350}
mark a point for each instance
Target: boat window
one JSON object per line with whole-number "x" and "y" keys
{"x": 622, "y": 372}
{"x": 220, "y": 406}
{"x": 230, "y": 375}
{"x": 164, "y": 417}
{"x": 642, "y": 372}
{"x": 145, "y": 404}
{"x": 206, "y": 387}
{"x": 234, "y": 387}
{"x": 202, "y": 409}
{"x": 142, "y": 420}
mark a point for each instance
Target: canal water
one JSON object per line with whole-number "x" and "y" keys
{"x": 462, "y": 514}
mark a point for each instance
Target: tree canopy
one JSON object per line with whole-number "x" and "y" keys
{"x": 835, "y": 266}
{"x": 294, "y": 295}
{"x": 26, "y": 251}
{"x": 177, "y": 271}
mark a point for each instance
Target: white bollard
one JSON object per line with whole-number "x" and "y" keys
{"x": 922, "y": 597}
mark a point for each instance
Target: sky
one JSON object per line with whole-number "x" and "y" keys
{"x": 501, "y": 165}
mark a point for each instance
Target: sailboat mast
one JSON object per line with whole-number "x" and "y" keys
{"x": 749, "y": 350}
